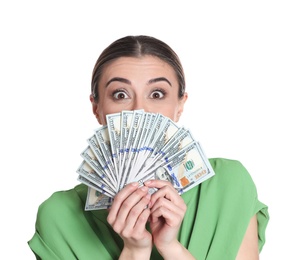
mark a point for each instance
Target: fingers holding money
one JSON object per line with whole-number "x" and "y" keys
{"x": 166, "y": 203}
{"x": 167, "y": 210}
{"x": 129, "y": 212}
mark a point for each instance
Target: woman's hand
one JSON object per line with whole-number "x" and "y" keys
{"x": 167, "y": 209}
{"x": 128, "y": 217}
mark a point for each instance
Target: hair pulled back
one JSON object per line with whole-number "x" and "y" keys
{"x": 137, "y": 46}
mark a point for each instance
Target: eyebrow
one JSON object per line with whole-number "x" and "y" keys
{"x": 126, "y": 81}
{"x": 158, "y": 80}
{"x": 123, "y": 80}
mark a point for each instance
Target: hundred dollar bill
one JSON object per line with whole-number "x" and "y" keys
{"x": 90, "y": 158}
{"x": 185, "y": 169}
{"x": 96, "y": 200}
{"x": 194, "y": 168}
{"x": 167, "y": 130}
{"x": 181, "y": 138}
{"x": 126, "y": 122}
{"x": 105, "y": 163}
{"x": 103, "y": 140}
{"x": 160, "y": 119}
{"x": 131, "y": 145}
{"x": 114, "y": 130}
{"x": 146, "y": 150}
{"x": 93, "y": 186}
{"x": 88, "y": 173}
{"x": 146, "y": 128}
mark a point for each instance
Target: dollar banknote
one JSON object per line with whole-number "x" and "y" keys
{"x": 136, "y": 146}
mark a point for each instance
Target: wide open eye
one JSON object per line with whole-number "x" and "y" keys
{"x": 158, "y": 94}
{"x": 120, "y": 94}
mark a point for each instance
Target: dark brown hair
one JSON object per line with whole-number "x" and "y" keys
{"x": 137, "y": 46}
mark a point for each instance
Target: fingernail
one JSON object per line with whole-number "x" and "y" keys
{"x": 143, "y": 188}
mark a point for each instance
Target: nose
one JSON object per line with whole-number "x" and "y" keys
{"x": 139, "y": 104}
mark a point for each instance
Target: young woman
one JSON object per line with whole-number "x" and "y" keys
{"x": 218, "y": 219}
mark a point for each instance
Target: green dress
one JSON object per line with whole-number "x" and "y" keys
{"x": 218, "y": 213}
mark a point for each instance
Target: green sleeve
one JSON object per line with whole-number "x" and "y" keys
{"x": 64, "y": 230}
{"x": 219, "y": 211}
{"x": 40, "y": 248}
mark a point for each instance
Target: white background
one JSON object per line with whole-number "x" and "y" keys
{"x": 243, "y": 68}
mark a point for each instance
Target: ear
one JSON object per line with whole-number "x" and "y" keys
{"x": 94, "y": 105}
{"x": 181, "y": 106}
{"x": 95, "y": 109}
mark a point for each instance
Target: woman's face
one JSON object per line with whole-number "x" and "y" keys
{"x": 146, "y": 83}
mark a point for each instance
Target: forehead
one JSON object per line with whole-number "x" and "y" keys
{"x": 143, "y": 65}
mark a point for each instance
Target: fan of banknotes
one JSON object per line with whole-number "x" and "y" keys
{"x": 136, "y": 146}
